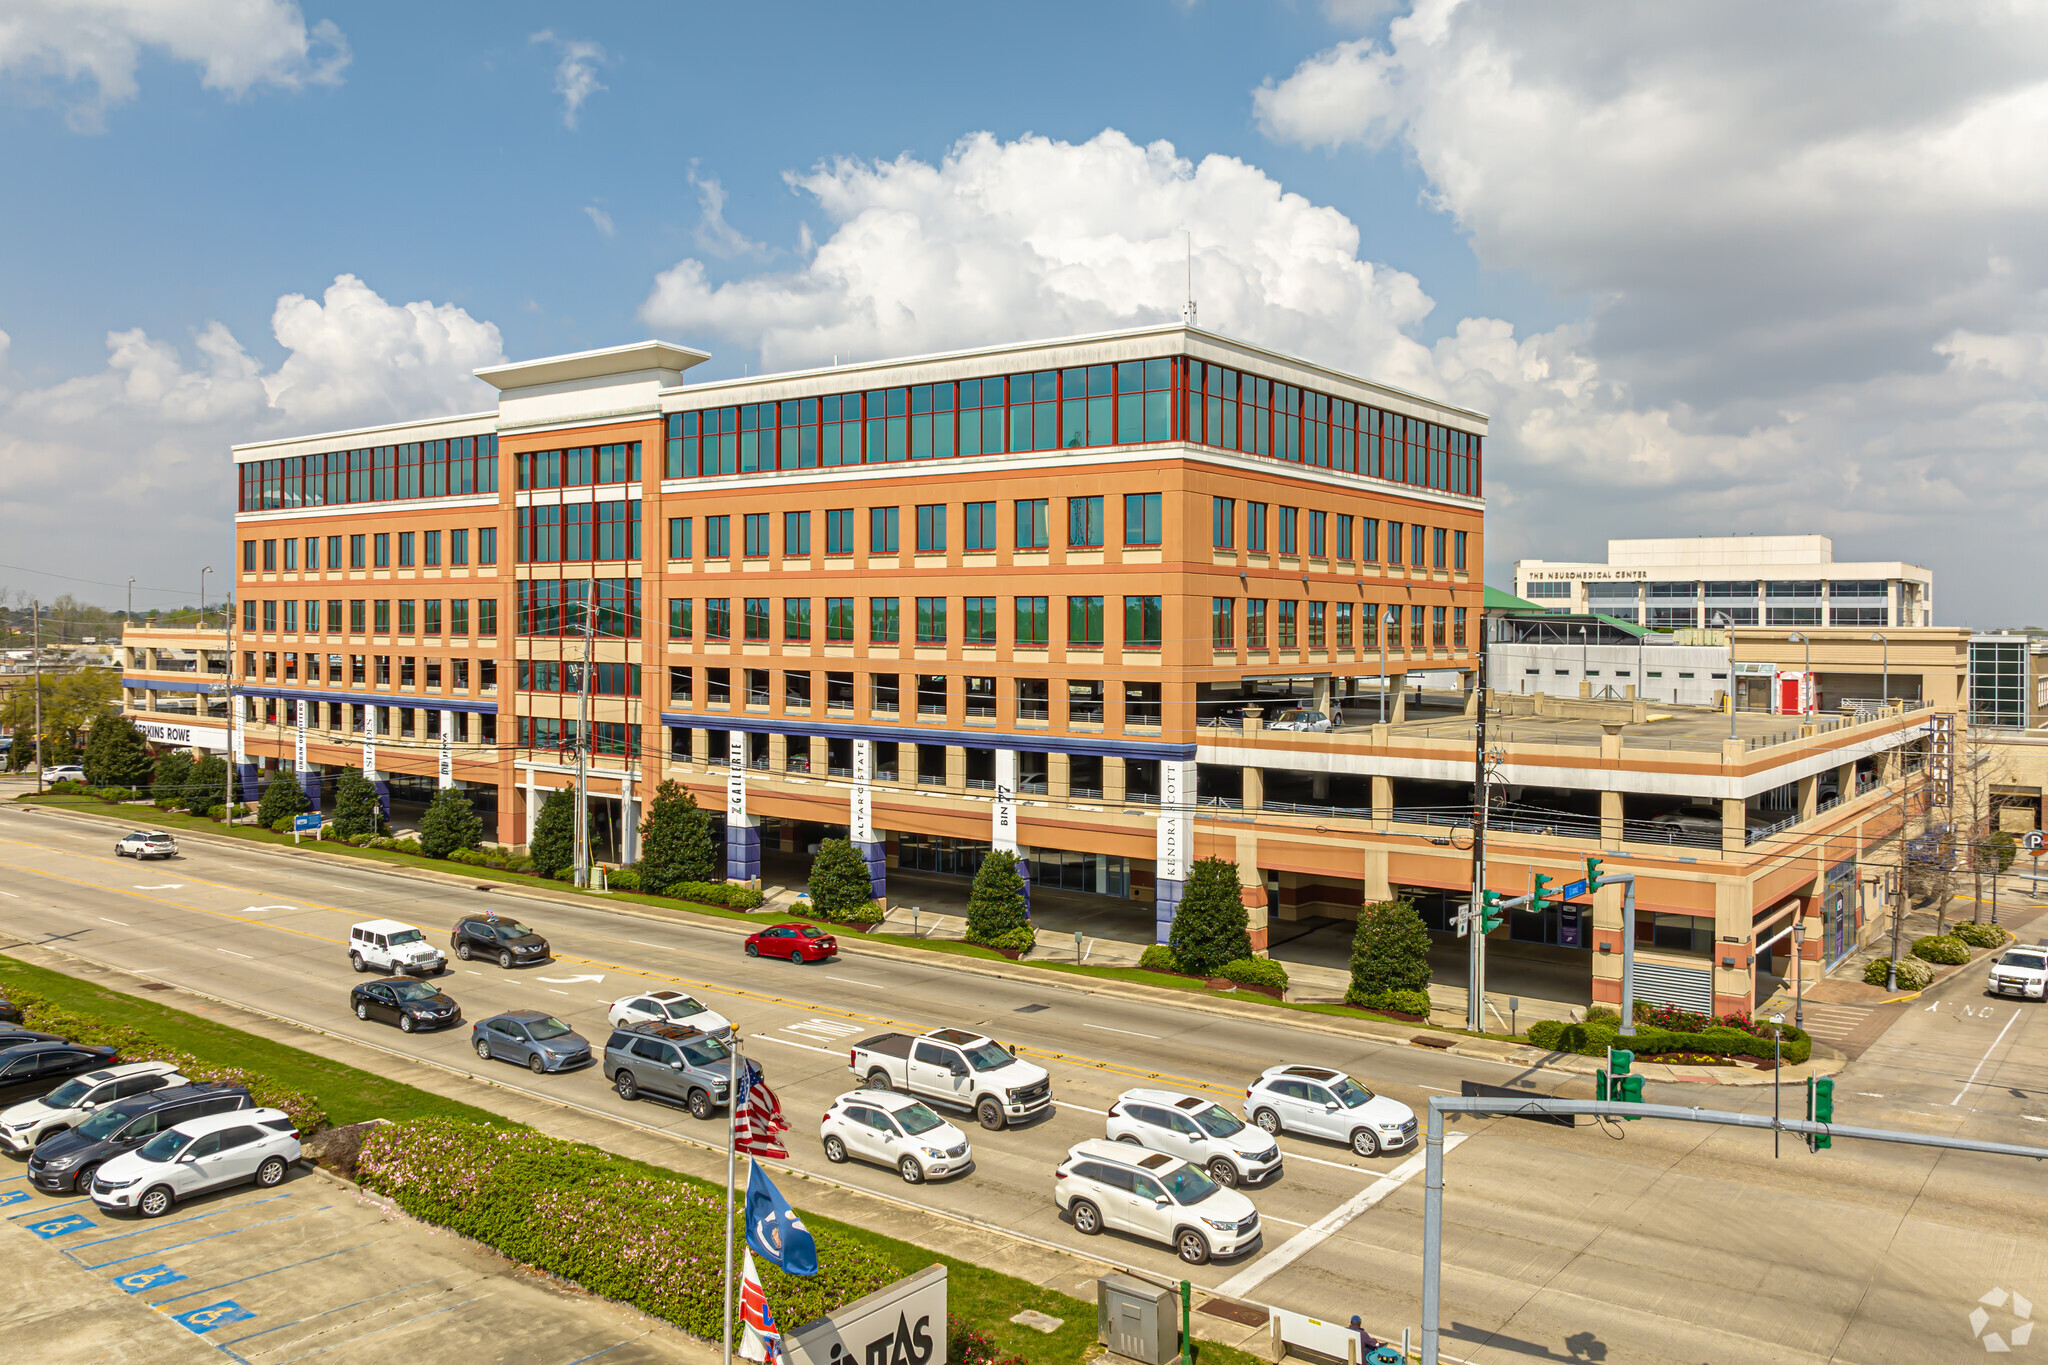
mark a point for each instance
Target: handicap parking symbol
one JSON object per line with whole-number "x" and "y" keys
{"x": 213, "y": 1315}
{"x": 135, "y": 1281}
{"x": 57, "y": 1227}
{"x": 14, "y": 1197}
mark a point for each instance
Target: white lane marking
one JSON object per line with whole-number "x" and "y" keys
{"x": 1318, "y": 1232}
{"x": 1985, "y": 1058}
{"x": 265, "y": 909}
{"x": 1069, "y": 1104}
{"x": 855, "y": 981}
{"x": 1133, "y": 1033}
{"x": 122, "y": 922}
{"x": 1339, "y": 1165}
{"x": 1439, "y": 1089}
{"x": 645, "y": 944}
{"x": 1269, "y": 1218}
{"x": 787, "y": 1042}
{"x": 2033, "y": 1118}
{"x": 824, "y": 1028}
{"x": 472, "y": 971}
{"x": 569, "y": 980}
{"x": 10, "y": 895}
{"x": 170, "y": 886}
{"x": 1870, "y": 1094}
{"x": 232, "y": 953}
{"x": 553, "y": 991}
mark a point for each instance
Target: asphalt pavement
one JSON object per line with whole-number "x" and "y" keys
{"x": 1641, "y": 1242}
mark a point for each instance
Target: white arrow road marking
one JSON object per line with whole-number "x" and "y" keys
{"x": 571, "y": 980}
{"x": 265, "y": 909}
{"x": 10, "y": 895}
{"x": 1318, "y": 1232}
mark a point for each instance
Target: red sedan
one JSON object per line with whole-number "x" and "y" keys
{"x": 797, "y": 942}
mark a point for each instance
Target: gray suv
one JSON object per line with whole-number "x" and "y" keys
{"x": 671, "y": 1061}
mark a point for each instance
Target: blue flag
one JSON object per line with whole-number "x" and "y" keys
{"x": 774, "y": 1231}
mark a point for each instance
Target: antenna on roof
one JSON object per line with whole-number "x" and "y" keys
{"x": 1187, "y": 313}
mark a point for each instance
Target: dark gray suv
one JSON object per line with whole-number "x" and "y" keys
{"x": 672, "y": 1062}
{"x": 65, "y": 1162}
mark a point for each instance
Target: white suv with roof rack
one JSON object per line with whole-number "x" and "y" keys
{"x": 1104, "y": 1184}
{"x": 1197, "y": 1130}
{"x": 385, "y": 945}
{"x": 1320, "y": 1102}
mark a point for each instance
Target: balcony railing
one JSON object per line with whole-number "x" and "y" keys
{"x": 1762, "y": 832}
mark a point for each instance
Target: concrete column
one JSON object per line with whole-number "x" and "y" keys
{"x": 1115, "y": 781}
{"x": 700, "y": 746}
{"x": 778, "y": 753}
{"x": 1319, "y": 695}
{"x": 1610, "y": 820}
{"x": 1845, "y": 781}
{"x": 1400, "y": 711}
{"x": 956, "y": 768}
{"x": 1734, "y": 825}
{"x": 629, "y": 821}
{"x": 1252, "y": 890}
{"x": 1319, "y": 786}
{"x": 1254, "y": 789}
{"x": 1059, "y": 777}
{"x": 1254, "y": 719}
{"x": 1382, "y": 799}
{"x": 1809, "y": 797}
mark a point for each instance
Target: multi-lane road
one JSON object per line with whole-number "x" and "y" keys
{"x": 1640, "y": 1243}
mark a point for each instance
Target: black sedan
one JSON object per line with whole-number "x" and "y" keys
{"x": 9, "y": 1011}
{"x": 533, "y": 1038}
{"x": 504, "y": 941}
{"x": 15, "y": 1036}
{"x": 412, "y": 1005}
{"x": 29, "y": 1071}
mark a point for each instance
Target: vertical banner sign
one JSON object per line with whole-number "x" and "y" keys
{"x": 299, "y": 738}
{"x": 1003, "y": 819}
{"x": 860, "y": 825}
{"x": 370, "y": 742}
{"x": 237, "y": 734}
{"x": 735, "y": 777}
{"x": 1176, "y": 792}
{"x": 447, "y": 769}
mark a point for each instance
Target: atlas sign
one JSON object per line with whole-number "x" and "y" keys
{"x": 899, "y": 1324}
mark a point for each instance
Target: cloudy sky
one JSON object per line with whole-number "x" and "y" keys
{"x": 1712, "y": 268}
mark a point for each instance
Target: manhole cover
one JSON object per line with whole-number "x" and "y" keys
{"x": 1030, "y": 1009}
{"x": 1235, "y": 1312}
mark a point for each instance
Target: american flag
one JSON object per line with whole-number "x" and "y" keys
{"x": 757, "y": 1116}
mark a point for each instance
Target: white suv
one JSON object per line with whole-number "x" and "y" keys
{"x": 1319, "y": 1102}
{"x": 24, "y": 1125}
{"x": 1105, "y": 1184}
{"x": 144, "y": 846}
{"x": 385, "y": 945}
{"x": 895, "y": 1130}
{"x": 254, "y": 1145}
{"x": 668, "y": 1007}
{"x": 1197, "y": 1130}
{"x": 2022, "y": 972}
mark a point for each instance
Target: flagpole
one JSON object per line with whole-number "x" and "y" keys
{"x": 733, "y": 1101}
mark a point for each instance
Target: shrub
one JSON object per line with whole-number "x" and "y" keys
{"x": 719, "y": 894}
{"x": 1389, "y": 952}
{"x": 675, "y": 840}
{"x": 206, "y": 786}
{"x": 113, "y": 794}
{"x": 1546, "y": 1034}
{"x": 164, "y": 803}
{"x": 1158, "y": 958}
{"x": 1993, "y": 854}
{"x": 622, "y": 879}
{"x": 554, "y": 834}
{"x": 839, "y": 884}
{"x": 357, "y": 811}
{"x": 966, "y": 1345}
{"x": 650, "y": 1240}
{"x": 116, "y": 755}
{"x": 1019, "y": 940}
{"x": 451, "y": 823}
{"x": 1913, "y": 974}
{"x": 283, "y": 824}
{"x": 1943, "y": 949}
{"x": 860, "y": 917}
{"x": 169, "y": 778}
{"x": 1596, "y": 1035}
{"x": 362, "y": 840}
{"x": 1210, "y": 926}
{"x": 1980, "y": 935}
{"x": 282, "y": 799}
{"x": 995, "y": 907}
{"x": 1255, "y": 971}
{"x": 1399, "y": 1002}
{"x": 563, "y": 874}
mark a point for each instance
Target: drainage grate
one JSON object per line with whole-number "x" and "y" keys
{"x": 154, "y": 986}
{"x": 1030, "y": 1009}
{"x": 1235, "y": 1312}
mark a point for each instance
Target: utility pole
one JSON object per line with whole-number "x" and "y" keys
{"x": 35, "y": 624}
{"x": 227, "y": 749}
{"x": 589, "y": 634}
{"x": 1475, "y": 934}
{"x": 1891, "y": 976}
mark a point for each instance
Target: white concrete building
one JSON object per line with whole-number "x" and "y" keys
{"x": 1787, "y": 581}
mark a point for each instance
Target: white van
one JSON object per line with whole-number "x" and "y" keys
{"x": 385, "y": 945}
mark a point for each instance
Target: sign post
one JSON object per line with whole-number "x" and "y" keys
{"x": 308, "y": 822}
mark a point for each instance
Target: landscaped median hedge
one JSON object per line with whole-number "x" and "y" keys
{"x": 136, "y": 1045}
{"x": 1697, "y": 1034}
{"x": 654, "y": 1241}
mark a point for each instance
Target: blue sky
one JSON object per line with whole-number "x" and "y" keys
{"x": 1699, "y": 288}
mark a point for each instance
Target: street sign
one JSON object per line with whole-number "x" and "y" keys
{"x": 1572, "y": 890}
{"x": 2033, "y": 841}
{"x": 308, "y": 823}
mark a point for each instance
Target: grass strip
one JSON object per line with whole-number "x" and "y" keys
{"x": 981, "y": 1296}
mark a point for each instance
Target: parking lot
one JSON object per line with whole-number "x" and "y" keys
{"x": 310, "y": 1270}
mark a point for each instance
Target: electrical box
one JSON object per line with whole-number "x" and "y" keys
{"x": 1137, "y": 1319}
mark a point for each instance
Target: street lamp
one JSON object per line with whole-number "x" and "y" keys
{"x": 1585, "y": 661}
{"x": 1887, "y": 686}
{"x": 1391, "y": 621}
{"x": 1806, "y": 672}
{"x": 202, "y": 595}
{"x": 1722, "y": 621}
{"x": 131, "y": 599}
{"x": 1798, "y": 952}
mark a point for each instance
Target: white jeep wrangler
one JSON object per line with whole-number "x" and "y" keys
{"x": 385, "y": 945}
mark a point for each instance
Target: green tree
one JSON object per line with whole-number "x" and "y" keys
{"x": 839, "y": 883}
{"x": 356, "y": 807}
{"x": 554, "y": 833}
{"x": 1389, "y": 952}
{"x": 995, "y": 907}
{"x": 116, "y": 754}
{"x": 71, "y": 701}
{"x": 208, "y": 785}
{"x": 1210, "y": 926}
{"x": 284, "y": 797}
{"x": 451, "y": 823}
{"x": 675, "y": 841}
{"x": 172, "y": 774}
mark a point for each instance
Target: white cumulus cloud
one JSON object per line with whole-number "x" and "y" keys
{"x": 83, "y": 54}
{"x": 575, "y": 73}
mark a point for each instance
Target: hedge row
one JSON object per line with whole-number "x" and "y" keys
{"x": 1245, "y": 971}
{"x": 1913, "y": 974}
{"x": 137, "y": 1046}
{"x": 654, "y": 1241}
{"x": 1593, "y": 1037}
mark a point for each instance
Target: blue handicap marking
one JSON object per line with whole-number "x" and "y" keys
{"x": 135, "y": 1281}
{"x": 213, "y": 1315}
{"x": 14, "y": 1197}
{"x": 57, "y": 1227}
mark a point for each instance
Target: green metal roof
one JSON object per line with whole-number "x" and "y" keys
{"x": 1497, "y": 600}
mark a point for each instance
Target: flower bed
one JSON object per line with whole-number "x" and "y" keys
{"x": 1667, "y": 1029}
{"x": 654, "y": 1241}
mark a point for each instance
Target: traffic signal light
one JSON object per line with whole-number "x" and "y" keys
{"x": 1619, "y": 1060}
{"x": 1820, "y": 1108}
{"x": 1592, "y": 874}
{"x": 1539, "y": 892}
{"x": 1490, "y": 913}
{"x": 1628, "y": 1090}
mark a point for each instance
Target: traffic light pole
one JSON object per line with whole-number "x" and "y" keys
{"x": 1433, "y": 1162}
{"x": 1475, "y": 981}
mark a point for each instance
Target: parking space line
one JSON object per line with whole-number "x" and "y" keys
{"x": 229, "y": 1232}
{"x": 49, "y": 1208}
{"x": 581, "y": 1360}
{"x": 391, "y": 1327}
{"x": 325, "y": 1312}
{"x": 176, "y": 1222}
{"x": 274, "y": 1270}
{"x": 1069, "y": 1104}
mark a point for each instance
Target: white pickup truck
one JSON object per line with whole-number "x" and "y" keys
{"x": 958, "y": 1069}
{"x": 2021, "y": 971}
